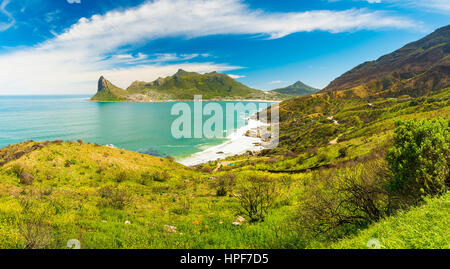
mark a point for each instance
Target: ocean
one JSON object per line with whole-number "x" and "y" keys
{"x": 140, "y": 127}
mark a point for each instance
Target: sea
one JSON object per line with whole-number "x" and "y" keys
{"x": 140, "y": 127}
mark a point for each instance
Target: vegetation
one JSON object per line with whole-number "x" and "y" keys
{"x": 420, "y": 158}
{"x": 423, "y": 227}
{"x": 183, "y": 86}
{"x": 352, "y": 169}
{"x": 297, "y": 89}
{"x": 416, "y": 69}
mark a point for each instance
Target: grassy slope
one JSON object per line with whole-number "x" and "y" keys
{"x": 362, "y": 129}
{"x": 109, "y": 92}
{"x": 423, "y": 227}
{"x": 65, "y": 202}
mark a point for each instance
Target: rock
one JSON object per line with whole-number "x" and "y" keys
{"x": 170, "y": 228}
{"x": 240, "y": 220}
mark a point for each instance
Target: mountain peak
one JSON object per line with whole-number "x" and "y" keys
{"x": 102, "y": 83}
{"x": 297, "y": 89}
{"x": 414, "y": 69}
{"x": 181, "y": 72}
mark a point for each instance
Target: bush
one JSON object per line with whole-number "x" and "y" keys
{"x": 158, "y": 176}
{"x": 25, "y": 178}
{"x": 161, "y": 176}
{"x": 34, "y": 228}
{"x": 343, "y": 201}
{"x": 207, "y": 169}
{"x": 121, "y": 176}
{"x": 256, "y": 197}
{"x": 419, "y": 158}
{"x": 113, "y": 197}
{"x": 224, "y": 184}
{"x": 343, "y": 152}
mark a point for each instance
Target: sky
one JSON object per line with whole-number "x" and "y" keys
{"x": 64, "y": 46}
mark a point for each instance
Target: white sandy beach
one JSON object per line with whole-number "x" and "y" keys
{"x": 237, "y": 143}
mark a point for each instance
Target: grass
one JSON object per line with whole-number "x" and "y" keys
{"x": 423, "y": 227}
{"x": 91, "y": 199}
{"x": 113, "y": 198}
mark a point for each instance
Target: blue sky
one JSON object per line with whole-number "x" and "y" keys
{"x": 63, "y": 46}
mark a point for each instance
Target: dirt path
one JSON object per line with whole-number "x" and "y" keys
{"x": 221, "y": 164}
{"x": 334, "y": 141}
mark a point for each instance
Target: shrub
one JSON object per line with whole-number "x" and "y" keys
{"x": 25, "y": 178}
{"x": 343, "y": 152}
{"x": 223, "y": 184}
{"x": 158, "y": 176}
{"x": 113, "y": 197}
{"x": 206, "y": 169}
{"x": 161, "y": 176}
{"x": 256, "y": 197}
{"x": 121, "y": 176}
{"x": 343, "y": 201}
{"x": 18, "y": 170}
{"x": 419, "y": 158}
{"x": 33, "y": 227}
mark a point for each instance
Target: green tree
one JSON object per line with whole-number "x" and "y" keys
{"x": 419, "y": 158}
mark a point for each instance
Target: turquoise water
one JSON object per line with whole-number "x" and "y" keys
{"x": 141, "y": 127}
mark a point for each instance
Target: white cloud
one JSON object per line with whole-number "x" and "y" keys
{"x": 275, "y": 82}
{"x": 440, "y": 5}
{"x": 431, "y": 5}
{"x": 235, "y": 76}
{"x": 9, "y": 18}
{"x": 73, "y": 60}
{"x": 74, "y": 1}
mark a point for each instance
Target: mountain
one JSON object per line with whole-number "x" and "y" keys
{"x": 415, "y": 70}
{"x": 108, "y": 91}
{"x": 297, "y": 89}
{"x": 182, "y": 86}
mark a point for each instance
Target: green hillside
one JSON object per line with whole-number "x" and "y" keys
{"x": 297, "y": 89}
{"x": 423, "y": 227}
{"x": 108, "y": 91}
{"x": 184, "y": 86}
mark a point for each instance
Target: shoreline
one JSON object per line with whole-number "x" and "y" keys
{"x": 188, "y": 100}
{"x": 237, "y": 143}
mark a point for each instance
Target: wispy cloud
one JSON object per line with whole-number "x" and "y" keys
{"x": 275, "y": 82}
{"x": 431, "y": 5}
{"x": 440, "y": 5}
{"x": 235, "y": 76}
{"x": 9, "y": 18}
{"x": 73, "y": 60}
